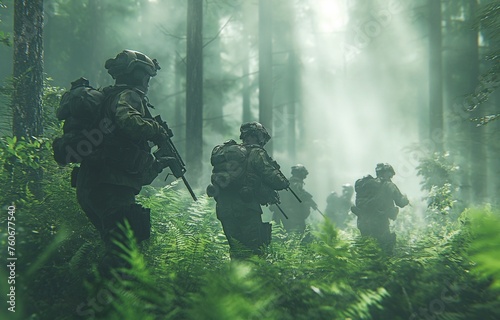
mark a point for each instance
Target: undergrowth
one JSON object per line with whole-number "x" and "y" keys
{"x": 445, "y": 270}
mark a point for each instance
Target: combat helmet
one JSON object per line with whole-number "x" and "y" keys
{"x": 299, "y": 170}
{"x": 384, "y": 168}
{"x": 126, "y": 61}
{"x": 347, "y": 190}
{"x": 256, "y": 129}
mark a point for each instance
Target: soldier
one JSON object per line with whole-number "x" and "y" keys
{"x": 245, "y": 177}
{"x": 338, "y": 207}
{"x": 110, "y": 178}
{"x": 376, "y": 201}
{"x": 297, "y": 212}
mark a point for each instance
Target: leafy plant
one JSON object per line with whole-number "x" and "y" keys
{"x": 440, "y": 178}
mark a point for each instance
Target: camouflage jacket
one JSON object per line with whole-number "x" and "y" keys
{"x": 384, "y": 206}
{"x": 125, "y": 156}
{"x": 392, "y": 195}
{"x": 292, "y": 207}
{"x": 262, "y": 174}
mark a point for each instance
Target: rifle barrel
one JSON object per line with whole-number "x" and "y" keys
{"x": 283, "y": 212}
{"x": 321, "y": 213}
{"x": 294, "y": 194}
{"x": 186, "y": 183}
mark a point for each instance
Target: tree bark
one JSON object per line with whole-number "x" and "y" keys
{"x": 294, "y": 97}
{"x": 28, "y": 68}
{"x": 28, "y": 86}
{"x": 194, "y": 88}
{"x": 478, "y": 163}
{"x": 247, "y": 110}
{"x": 435, "y": 75}
{"x": 266, "y": 68}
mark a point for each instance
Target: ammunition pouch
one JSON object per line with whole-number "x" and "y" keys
{"x": 265, "y": 233}
{"x": 393, "y": 213}
{"x": 266, "y": 195}
{"x": 139, "y": 219}
{"x": 74, "y": 176}
{"x": 130, "y": 159}
{"x": 356, "y": 210}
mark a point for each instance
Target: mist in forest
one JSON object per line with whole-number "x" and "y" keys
{"x": 363, "y": 79}
{"x": 363, "y": 76}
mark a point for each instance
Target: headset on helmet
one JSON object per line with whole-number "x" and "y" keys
{"x": 384, "y": 167}
{"x": 257, "y": 129}
{"x": 127, "y": 60}
{"x": 299, "y": 169}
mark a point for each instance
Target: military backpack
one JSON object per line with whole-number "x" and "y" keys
{"x": 84, "y": 127}
{"x": 368, "y": 190}
{"x": 229, "y": 161}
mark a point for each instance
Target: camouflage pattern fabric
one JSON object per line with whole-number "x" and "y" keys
{"x": 109, "y": 179}
{"x": 241, "y": 216}
{"x": 374, "y": 221}
{"x": 297, "y": 212}
{"x": 337, "y": 209}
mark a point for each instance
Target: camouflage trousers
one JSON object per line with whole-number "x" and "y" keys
{"x": 378, "y": 229}
{"x": 108, "y": 205}
{"x": 246, "y": 234}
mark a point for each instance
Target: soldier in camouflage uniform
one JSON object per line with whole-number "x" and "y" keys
{"x": 337, "y": 207}
{"x": 297, "y": 212}
{"x": 239, "y": 199}
{"x": 110, "y": 178}
{"x": 375, "y": 211}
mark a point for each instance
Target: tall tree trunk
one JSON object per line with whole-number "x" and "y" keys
{"x": 28, "y": 84}
{"x": 179, "y": 116}
{"x": 294, "y": 98}
{"x": 194, "y": 88}
{"x": 214, "y": 93}
{"x": 28, "y": 68}
{"x": 435, "y": 75}
{"x": 495, "y": 151}
{"x": 247, "y": 111}
{"x": 94, "y": 43}
{"x": 266, "y": 68}
{"x": 478, "y": 163}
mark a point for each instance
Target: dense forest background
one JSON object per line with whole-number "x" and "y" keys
{"x": 341, "y": 85}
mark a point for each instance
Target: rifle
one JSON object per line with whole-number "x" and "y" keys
{"x": 272, "y": 197}
{"x": 167, "y": 149}
{"x": 321, "y": 213}
{"x": 283, "y": 212}
{"x": 314, "y": 206}
{"x": 294, "y": 194}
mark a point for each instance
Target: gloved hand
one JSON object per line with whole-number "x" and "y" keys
{"x": 162, "y": 162}
{"x": 161, "y": 137}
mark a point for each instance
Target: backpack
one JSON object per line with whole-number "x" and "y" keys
{"x": 368, "y": 191}
{"x": 81, "y": 109}
{"x": 229, "y": 164}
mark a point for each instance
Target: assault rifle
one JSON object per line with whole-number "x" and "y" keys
{"x": 294, "y": 194}
{"x": 166, "y": 149}
{"x": 274, "y": 198}
{"x": 314, "y": 205}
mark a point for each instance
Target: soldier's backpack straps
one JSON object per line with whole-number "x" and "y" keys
{"x": 229, "y": 161}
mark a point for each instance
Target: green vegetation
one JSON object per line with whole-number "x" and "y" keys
{"x": 335, "y": 86}
{"x": 446, "y": 270}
